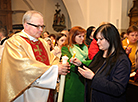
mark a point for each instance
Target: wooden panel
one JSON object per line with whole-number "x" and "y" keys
{"x": 134, "y": 13}
{"x": 134, "y": 20}
{"x": 132, "y": 91}
{"x": 6, "y": 14}
{"x": 5, "y": 4}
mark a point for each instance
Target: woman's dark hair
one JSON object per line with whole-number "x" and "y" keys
{"x": 53, "y": 35}
{"x": 59, "y": 36}
{"x": 46, "y": 32}
{"x": 122, "y": 34}
{"x": 89, "y": 31}
{"x": 111, "y": 34}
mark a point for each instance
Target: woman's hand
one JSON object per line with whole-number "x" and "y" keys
{"x": 86, "y": 72}
{"x": 128, "y": 50}
{"x": 75, "y": 61}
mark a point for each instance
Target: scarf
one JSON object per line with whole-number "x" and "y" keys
{"x": 81, "y": 54}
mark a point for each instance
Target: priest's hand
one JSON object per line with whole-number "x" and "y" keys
{"x": 63, "y": 68}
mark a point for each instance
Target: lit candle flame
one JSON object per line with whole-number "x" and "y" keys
{"x": 54, "y": 42}
{"x": 74, "y": 54}
{"x": 127, "y": 41}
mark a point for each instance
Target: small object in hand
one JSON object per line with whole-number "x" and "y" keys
{"x": 128, "y": 50}
{"x": 64, "y": 59}
{"x": 74, "y": 54}
{"x": 71, "y": 60}
{"x": 54, "y": 42}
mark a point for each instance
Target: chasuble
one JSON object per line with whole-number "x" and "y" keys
{"x": 22, "y": 72}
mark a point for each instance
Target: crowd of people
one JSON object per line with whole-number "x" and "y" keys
{"x": 101, "y": 62}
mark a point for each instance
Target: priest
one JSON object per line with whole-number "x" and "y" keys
{"x": 28, "y": 71}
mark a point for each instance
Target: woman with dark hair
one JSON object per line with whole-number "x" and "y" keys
{"x": 53, "y": 38}
{"x": 49, "y": 41}
{"x": 45, "y": 34}
{"x": 89, "y": 35}
{"x": 60, "y": 39}
{"x": 74, "y": 82}
{"x": 108, "y": 73}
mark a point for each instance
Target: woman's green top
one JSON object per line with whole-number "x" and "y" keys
{"x": 74, "y": 83}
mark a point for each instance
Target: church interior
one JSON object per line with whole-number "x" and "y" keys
{"x": 76, "y": 12}
{"x": 84, "y": 13}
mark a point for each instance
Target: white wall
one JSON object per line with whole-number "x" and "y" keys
{"x": 98, "y": 12}
{"x": 76, "y": 10}
{"x": 115, "y": 12}
{"x": 93, "y": 12}
{"x": 79, "y": 12}
{"x": 18, "y": 5}
{"x": 46, "y": 7}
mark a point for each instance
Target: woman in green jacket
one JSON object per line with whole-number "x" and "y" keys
{"x": 74, "y": 83}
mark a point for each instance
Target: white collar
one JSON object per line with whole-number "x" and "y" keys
{"x": 3, "y": 38}
{"x": 29, "y": 36}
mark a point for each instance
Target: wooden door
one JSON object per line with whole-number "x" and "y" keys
{"x": 6, "y": 14}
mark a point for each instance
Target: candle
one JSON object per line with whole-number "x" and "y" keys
{"x": 64, "y": 59}
{"x": 74, "y": 54}
{"x": 62, "y": 81}
{"x": 54, "y": 42}
{"x": 127, "y": 43}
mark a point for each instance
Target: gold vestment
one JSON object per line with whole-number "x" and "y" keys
{"x": 19, "y": 68}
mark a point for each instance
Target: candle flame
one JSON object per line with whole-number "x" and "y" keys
{"x": 127, "y": 41}
{"x": 54, "y": 42}
{"x": 74, "y": 54}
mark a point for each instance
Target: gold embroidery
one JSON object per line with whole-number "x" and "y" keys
{"x": 38, "y": 49}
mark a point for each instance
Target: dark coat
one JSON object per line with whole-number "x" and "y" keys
{"x": 111, "y": 88}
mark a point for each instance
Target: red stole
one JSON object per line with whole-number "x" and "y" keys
{"x": 39, "y": 51}
{"x": 41, "y": 55}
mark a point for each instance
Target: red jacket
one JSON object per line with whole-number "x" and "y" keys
{"x": 93, "y": 49}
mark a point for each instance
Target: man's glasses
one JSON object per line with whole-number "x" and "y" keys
{"x": 37, "y": 26}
